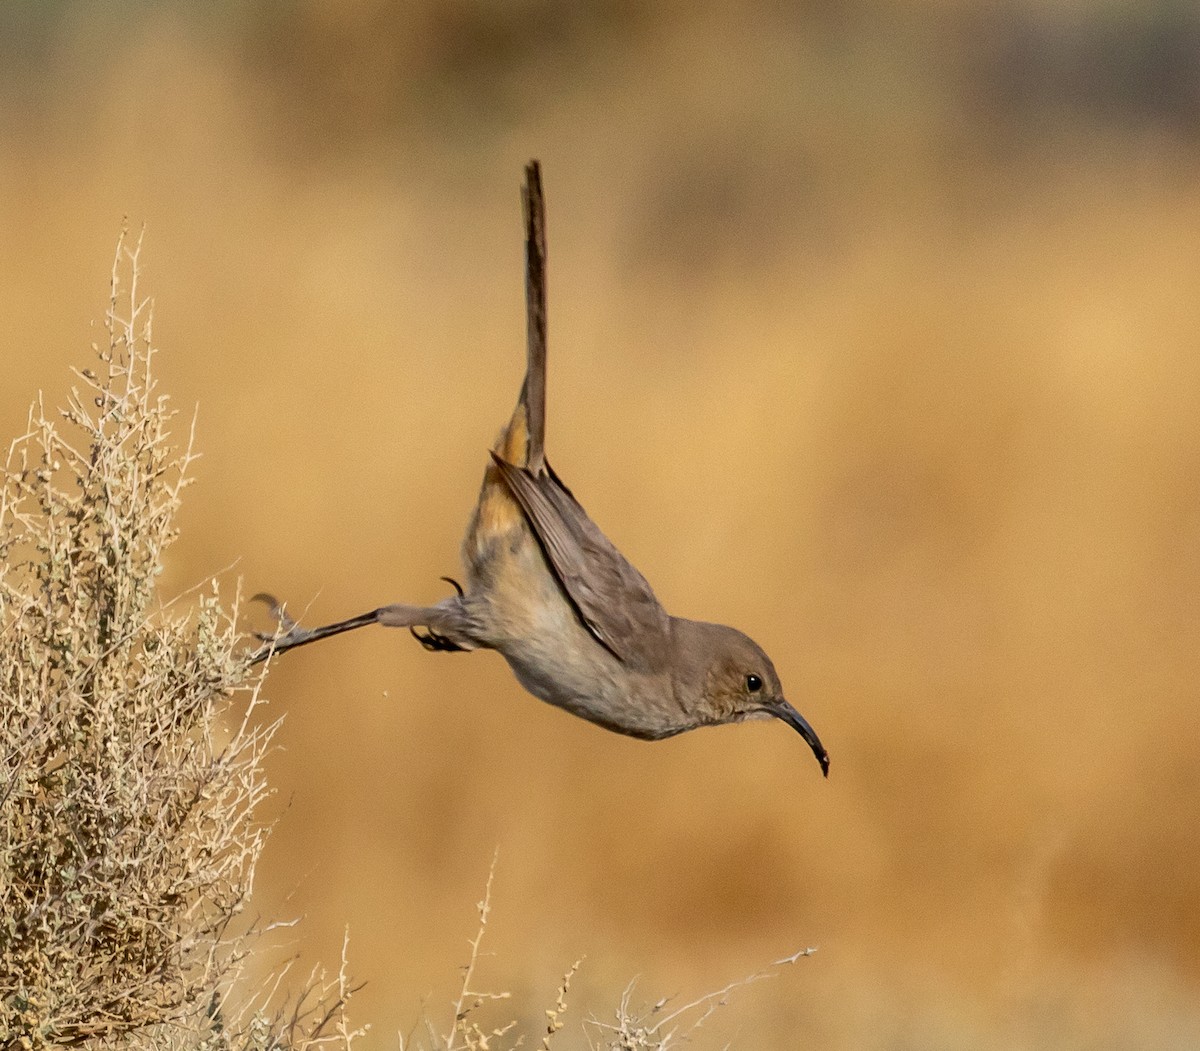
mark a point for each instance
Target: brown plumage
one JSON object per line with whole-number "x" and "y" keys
{"x": 577, "y": 623}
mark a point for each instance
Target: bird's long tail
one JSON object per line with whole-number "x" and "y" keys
{"x": 523, "y": 441}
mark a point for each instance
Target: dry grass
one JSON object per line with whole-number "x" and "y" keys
{"x": 131, "y": 738}
{"x": 661, "y": 1026}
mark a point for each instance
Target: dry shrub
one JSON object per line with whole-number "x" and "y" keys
{"x": 131, "y": 742}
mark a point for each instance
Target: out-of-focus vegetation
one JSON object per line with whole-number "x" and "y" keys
{"x": 873, "y": 332}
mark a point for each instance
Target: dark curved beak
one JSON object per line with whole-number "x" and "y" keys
{"x": 782, "y": 710}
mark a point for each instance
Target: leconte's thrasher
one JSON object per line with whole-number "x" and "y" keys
{"x": 577, "y": 623}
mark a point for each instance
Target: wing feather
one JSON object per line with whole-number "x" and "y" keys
{"x": 613, "y": 600}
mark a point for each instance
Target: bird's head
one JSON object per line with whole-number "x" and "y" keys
{"x": 732, "y": 679}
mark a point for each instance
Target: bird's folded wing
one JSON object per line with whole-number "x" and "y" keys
{"x": 613, "y": 599}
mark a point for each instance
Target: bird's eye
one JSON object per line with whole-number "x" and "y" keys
{"x": 753, "y": 683}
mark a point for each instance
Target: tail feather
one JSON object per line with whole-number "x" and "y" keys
{"x": 523, "y": 440}
{"x": 533, "y": 393}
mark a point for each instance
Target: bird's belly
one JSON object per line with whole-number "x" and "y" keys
{"x": 571, "y": 670}
{"x": 519, "y": 608}
{"x": 557, "y": 660}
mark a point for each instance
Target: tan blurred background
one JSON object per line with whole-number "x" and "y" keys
{"x": 874, "y": 331}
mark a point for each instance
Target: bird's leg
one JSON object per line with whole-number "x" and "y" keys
{"x": 292, "y": 635}
{"x": 398, "y": 615}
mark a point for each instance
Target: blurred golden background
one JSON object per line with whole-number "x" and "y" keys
{"x": 874, "y": 331}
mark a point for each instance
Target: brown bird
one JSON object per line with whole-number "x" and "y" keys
{"x": 578, "y": 625}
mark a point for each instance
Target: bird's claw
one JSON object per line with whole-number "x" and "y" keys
{"x": 277, "y": 610}
{"x": 289, "y": 634}
{"x": 436, "y": 643}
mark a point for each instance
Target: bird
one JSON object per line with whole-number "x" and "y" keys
{"x": 579, "y": 626}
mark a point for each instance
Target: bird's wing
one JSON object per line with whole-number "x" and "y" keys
{"x": 613, "y": 599}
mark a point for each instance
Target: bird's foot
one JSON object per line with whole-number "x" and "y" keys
{"x": 289, "y": 634}
{"x": 436, "y": 643}
{"x": 432, "y": 640}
